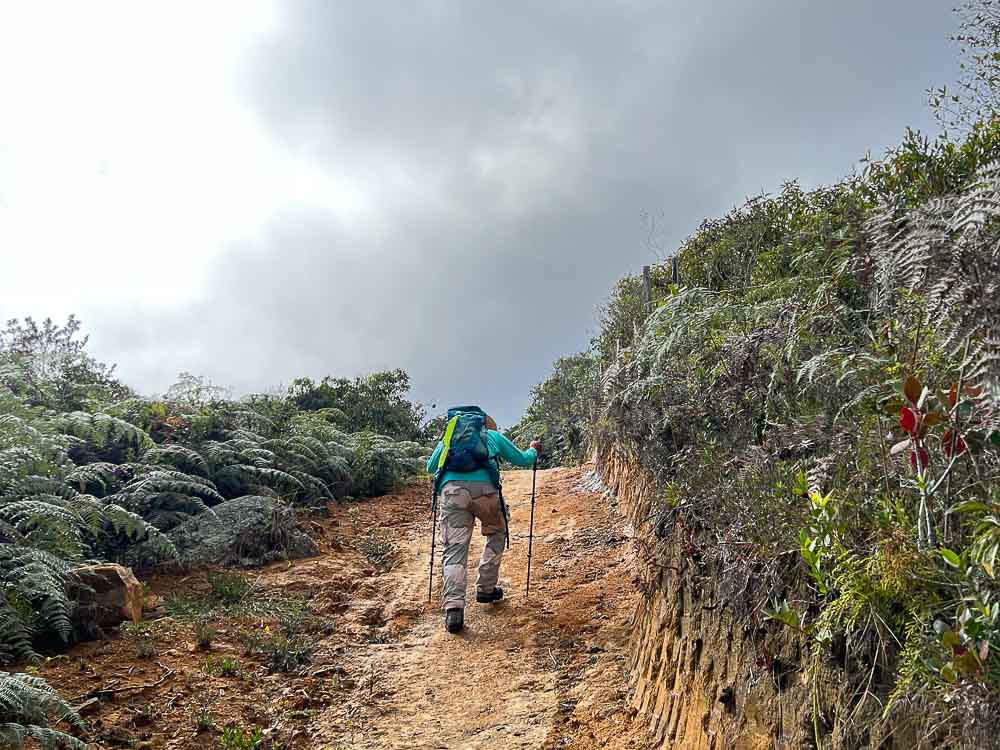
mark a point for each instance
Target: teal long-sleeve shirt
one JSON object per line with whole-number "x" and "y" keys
{"x": 499, "y": 446}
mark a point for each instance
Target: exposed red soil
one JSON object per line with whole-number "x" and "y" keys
{"x": 545, "y": 671}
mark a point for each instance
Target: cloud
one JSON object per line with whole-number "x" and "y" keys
{"x": 461, "y": 184}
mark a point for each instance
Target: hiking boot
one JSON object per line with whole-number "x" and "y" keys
{"x": 494, "y": 596}
{"x": 454, "y": 620}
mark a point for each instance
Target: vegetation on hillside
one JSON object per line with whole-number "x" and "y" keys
{"x": 377, "y": 403}
{"x": 90, "y": 471}
{"x": 559, "y": 411}
{"x": 825, "y": 381}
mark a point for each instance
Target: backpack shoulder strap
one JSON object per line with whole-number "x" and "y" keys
{"x": 446, "y": 442}
{"x": 448, "y": 434}
{"x": 493, "y": 463}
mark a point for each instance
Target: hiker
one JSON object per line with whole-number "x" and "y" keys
{"x": 467, "y": 477}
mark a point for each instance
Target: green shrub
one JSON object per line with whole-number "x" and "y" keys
{"x": 287, "y": 653}
{"x": 561, "y": 411}
{"x": 228, "y": 588}
{"x": 237, "y": 738}
{"x": 375, "y": 403}
{"x": 224, "y": 666}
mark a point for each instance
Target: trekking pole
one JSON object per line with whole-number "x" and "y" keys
{"x": 434, "y": 518}
{"x": 531, "y": 527}
{"x": 503, "y": 506}
{"x": 506, "y": 522}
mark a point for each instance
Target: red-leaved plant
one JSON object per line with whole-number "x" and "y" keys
{"x": 917, "y": 416}
{"x": 933, "y": 421}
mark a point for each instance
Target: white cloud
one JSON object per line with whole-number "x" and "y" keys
{"x": 127, "y": 160}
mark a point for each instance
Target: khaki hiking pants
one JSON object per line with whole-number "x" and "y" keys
{"x": 461, "y": 504}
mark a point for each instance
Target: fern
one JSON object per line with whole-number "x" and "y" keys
{"x": 44, "y": 533}
{"x": 28, "y": 706}
{"x": 103, "y": 430}
{"x": 45, "y": 524}
{"x": 36, "y": 485}
{"x": 99, "y": 478}
{"x": 219, "y": 454}
{"x": 77, "y": 486}
{"x": 34, "y": 596}
{"x": 239, "y": 474}
{"x": 181, "y": 457}
{"x": 946, "y": 249}
{"x": 15, "y": 635}
{"x": 159, "y": 481}
{"x": 29, "y": 449}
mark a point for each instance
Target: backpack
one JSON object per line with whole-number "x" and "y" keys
{"x": 466, "y": 446}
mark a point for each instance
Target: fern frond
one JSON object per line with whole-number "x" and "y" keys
{"x": 97, "y": 478}
{"x": 947, "y": 250}
{"x": 159, "y": 481}
{"x": 28, "y": 705}
{"x": 102, "y": 430}
{"x": 181, "y": 457}
{"x": 37, "y": 485}
{"x": 46, "y": 522}
{"x": 15, "y": 635}
{"x": 15, "y": 736}
{"x": 35, "y": 581}
{"x": 270, "y": 477}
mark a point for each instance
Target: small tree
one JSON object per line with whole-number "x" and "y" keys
{"x": 48, "y": 365}
{"x": 976, "y": 96}
{"x": 376, "y": 402}
{"x": 195, "y": 390}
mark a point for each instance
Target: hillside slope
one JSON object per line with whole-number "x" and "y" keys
{"x": 539, "y": 672}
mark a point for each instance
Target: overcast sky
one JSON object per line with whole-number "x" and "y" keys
{"x": 255, "y": 191}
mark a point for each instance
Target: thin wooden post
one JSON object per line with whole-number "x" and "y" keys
{"x": 647, "y": 290}
{"x": 674, "y": 270}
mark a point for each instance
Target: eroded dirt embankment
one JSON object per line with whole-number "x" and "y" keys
{"x": 709, "y": 670}
{"x": 545, "y": 671}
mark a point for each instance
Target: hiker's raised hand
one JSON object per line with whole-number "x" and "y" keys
{"x": 537, "y": 445}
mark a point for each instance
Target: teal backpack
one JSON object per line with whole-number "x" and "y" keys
{"x": 466, "y": 447}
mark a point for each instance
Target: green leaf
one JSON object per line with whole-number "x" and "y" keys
{"x": 971, "y": 506}
{"x": 968, "y": 663}
{"x": 783, "y": 613}
{"x": 933, "y": 418}
{"x": 951, "y": 639}
{"x": 892, "y": 407}
{"x": 950, "y": 557}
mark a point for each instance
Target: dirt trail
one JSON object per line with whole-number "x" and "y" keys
{"x": 539, "y": 672}
{"x": 508, "y": 680}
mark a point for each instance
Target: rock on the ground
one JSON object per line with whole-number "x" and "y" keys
{"x": 104, "y": 595}
{"x": 250, "y": 530}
